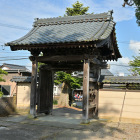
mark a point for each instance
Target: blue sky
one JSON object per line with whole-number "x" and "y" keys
{"x": 21, "y": 13}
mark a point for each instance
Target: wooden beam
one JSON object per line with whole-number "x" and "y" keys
{"x": 63, "y": 67}
{"x": 86, "y": 71}
{"x": 29, "y": 47}
{"x": 33, "y": 88}
{"x": 67, "y": 58}
{"x": 60, "y": 58}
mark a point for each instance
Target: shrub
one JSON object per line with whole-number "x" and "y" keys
{"x": 1, "y": 94}
{"x": 55, "y": 102}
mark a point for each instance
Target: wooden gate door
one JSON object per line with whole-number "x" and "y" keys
{"x": 45, "y": 92}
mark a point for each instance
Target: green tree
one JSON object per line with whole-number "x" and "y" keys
{"x": 2, "y": 73}
{"x": 135, "y": 64}
{"x": 137, "y": 11}
{"x": 72, "y": 82}
{"x": 77, "y": 9}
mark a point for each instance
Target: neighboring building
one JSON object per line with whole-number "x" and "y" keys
{"x": 106, "y": 72}
{"x": 23, "y": 91}
{"x": 8, "y": 87}
{"x": 57, "y": 89}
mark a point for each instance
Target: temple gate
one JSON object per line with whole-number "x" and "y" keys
{"x": 76, "y": 43}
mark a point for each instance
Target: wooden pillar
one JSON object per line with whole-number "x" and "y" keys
{"x": 94, "y": 92}
{"x": 86, "y": 70}
{"x": 33, "y": 87}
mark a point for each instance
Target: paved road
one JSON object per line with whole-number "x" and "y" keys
{"x": 79, "y": 103}
{"x": 54, "y": 128}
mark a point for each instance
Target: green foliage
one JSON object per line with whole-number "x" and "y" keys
{"x": 67, "y": 78}
{"x": 55, "y": 102}
{"x": 39, "y": 64}
{"x": 2, "y": 72}
{"x": 77, "y": 9}
{"x": 135, "y": 66}
{"x": 137, "y": 10}
{"x": 1, "y": 93}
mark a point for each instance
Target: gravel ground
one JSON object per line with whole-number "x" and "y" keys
{"x": 39, "y": 130}
{"x": 100, "y": 131}
{"x": 64, "y": 124}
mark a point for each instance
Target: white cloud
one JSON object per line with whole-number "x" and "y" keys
{"x": 120, "y": 13}
{"x": 135, "y": 46}
{"x": 22, "y": 13}
{"x": 121, "y": 66}
{"x": 124, "y": 60}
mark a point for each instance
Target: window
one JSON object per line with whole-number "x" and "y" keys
{"x": 5, "y": 89}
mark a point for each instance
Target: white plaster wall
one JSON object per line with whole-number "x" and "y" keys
{"x": 111, "y": 105}
{"x": 23, "y": 95}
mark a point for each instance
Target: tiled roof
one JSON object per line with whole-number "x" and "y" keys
{"x": 68, "y": 29}
{"x": 103, "y": 79}
{"x": 104, "y": 72}
{"x": 14, "y": 67}
{"x": 120, "y": 79}
{"x": 23, "y": 79}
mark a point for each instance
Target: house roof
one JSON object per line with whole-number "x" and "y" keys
{"x": 22, "y": 79}
{"x": 14, "y": 68}
{"x": 120, "y": 79}
{"x": 69, "y": 29}
{"x": 106, "y": 72}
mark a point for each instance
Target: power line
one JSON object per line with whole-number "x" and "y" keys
{"x": 13, "y": 26}
{"x": 14, "y": 59}
{"x": 14, "y": 52}
{"x": 28, "y": 58}
{"x": 14, "y": 56}
{"x": 128, "y": 42}
{"x": 119, "y": 65}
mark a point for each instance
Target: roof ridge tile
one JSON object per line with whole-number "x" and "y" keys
{"x": 74, "y": 19}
